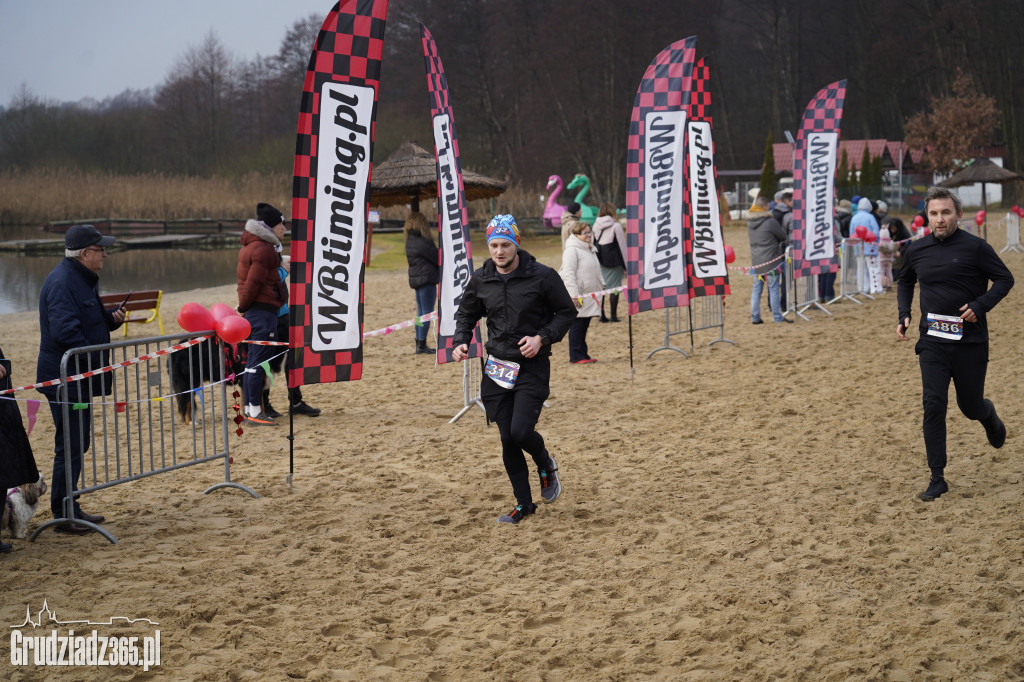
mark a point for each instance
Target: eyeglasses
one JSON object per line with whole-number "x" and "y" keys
{"x": 101, "y": 249}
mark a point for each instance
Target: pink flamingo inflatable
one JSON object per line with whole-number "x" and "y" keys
{"x": 552, "y": 211}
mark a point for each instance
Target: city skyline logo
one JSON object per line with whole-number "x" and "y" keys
{"x": 61, "y": 646}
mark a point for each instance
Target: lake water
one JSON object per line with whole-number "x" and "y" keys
{"x": 21, "y": 277}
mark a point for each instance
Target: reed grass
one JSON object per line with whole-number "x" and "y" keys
{"x": 48, "y": 195}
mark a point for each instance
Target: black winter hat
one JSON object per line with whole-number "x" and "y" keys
{"x": 269, "y": 215}
{"x": 573, "y": 207}
{"x": 82, "y": 236}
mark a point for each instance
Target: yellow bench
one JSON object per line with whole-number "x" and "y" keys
{"x": 148, "y": 301}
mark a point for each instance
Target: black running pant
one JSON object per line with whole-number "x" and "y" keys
{"x": 965, "y": 364}
{"x": 516, "y": 412}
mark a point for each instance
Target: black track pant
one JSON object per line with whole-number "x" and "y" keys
{"x": 965, "y": 364}
{"x": 516, "y": 412}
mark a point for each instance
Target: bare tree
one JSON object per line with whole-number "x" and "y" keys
{"x": 955, "y": 128}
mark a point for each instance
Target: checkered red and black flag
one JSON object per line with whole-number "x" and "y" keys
{"x": 330, "y": 194}
{"x": 452, "y": 216}
{"x": 814, "y": 172}
{"x": 706, "y": 268}
{"x": 656, "y": 182}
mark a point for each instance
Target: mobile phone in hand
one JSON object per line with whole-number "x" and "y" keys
{"x": 125, "y": 301}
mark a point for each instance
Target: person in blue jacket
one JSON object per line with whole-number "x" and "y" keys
{"x": 71, "y": 315}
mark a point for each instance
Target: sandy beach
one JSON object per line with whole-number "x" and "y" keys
{"x": 747, "y": 513}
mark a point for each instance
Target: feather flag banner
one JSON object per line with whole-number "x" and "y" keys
{"x": 708, "y": 274}
{"x": 452, "y": 216}
{"x": 814, "y": 173}
{"x": 656, "y": 182}
{"x": 330, "y": 194}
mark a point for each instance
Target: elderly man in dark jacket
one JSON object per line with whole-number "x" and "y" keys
{"x": 528, "y": 308}
{"x": 71, "y": 315}
{"x": 261, "y": 294}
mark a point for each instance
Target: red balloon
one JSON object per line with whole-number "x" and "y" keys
{"x": 918, "y": 221}
{"x": 222, "y": 310}
{"x": 730, "y": 255}
{"x": 979, "y": 219}
{"x": 870, "y": 237}
{"x": 233, "y": 329}
{"x": 927, "y": 231}
{"x": 193, "y": 317}
{"x": 860, "y": 231}
{"x": 1016, "y": 209}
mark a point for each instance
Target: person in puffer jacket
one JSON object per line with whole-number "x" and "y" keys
{"x": 261, "y": 293}
{"x": 582, "y": 275}
{"x": 527, "y": 309}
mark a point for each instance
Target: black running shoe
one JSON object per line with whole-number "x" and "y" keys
{"x": 935, "y": 490}
{"x": 303, "y": 408}
{"x": 997, "y": 431}
{"x": 269, "y": 410}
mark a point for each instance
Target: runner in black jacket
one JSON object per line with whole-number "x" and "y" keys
{"x": 954, "y": 268}
{"x": 527, "y": 309}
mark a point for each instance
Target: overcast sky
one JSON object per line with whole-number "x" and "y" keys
{"x": 65, "y": 50}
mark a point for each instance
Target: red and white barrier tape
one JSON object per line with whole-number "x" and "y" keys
{"x": 111, "y": 368}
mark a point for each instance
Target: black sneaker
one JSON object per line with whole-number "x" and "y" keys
{"x": 997, "y": 433}
{"x": 303, "y": 408}
{"x": 757, "y": 321}
{"x": 550, "y": 487}
{"x": 517, "y": 514}
{"x": 269, "y": 410}
{"x": 935, "y": 490}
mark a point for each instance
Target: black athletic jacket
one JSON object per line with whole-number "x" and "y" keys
{"x": 533, "y": 300}
{"x": 952, "y": 272}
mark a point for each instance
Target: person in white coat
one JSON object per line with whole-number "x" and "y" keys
{"x": 581, "y": 273}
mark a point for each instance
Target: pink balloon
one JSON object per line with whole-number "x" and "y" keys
{"x": 730, "y": 255}
{"x": 860, "y": 231}
{"x": 222, "y": 310}
{"x": 193, "y": 317}
{"x": 233, "y": 329}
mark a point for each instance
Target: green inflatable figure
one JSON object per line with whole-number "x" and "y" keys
{"x": 588, "y": 214}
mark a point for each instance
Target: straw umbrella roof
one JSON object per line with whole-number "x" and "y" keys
{"x": 980, "y": 170}
{"x": 984, "y": 171}
{"x": 410, "y": 174}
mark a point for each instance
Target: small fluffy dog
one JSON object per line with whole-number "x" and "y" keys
{"x": 21, "y": 506}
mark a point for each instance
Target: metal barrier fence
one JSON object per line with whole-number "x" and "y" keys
{"x": 801, "y": 292}
{"x": 121, "y": 399}
{"x": 703, "y": 312}
{"x": 852, "y": 271}
{"x": 472, "y": 374}
{"x": 1012, "y": 234}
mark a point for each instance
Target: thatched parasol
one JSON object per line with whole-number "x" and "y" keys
{"x": 410, "y": 174}
{"x": 984, "y": 171}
